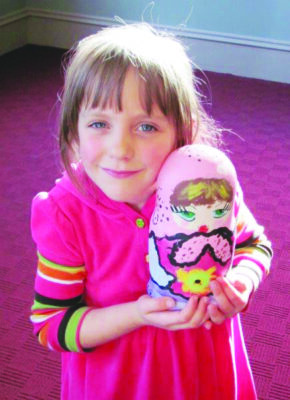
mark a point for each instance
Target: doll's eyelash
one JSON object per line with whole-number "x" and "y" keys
{"x": 178, "y": 209}
{"x": 227, "y": 207}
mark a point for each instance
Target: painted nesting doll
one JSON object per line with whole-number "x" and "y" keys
{"x": 192, "y": 229}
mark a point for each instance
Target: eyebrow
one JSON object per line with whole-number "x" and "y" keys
{"x": 220, "y": 202}
{"x": 95, "y": 112}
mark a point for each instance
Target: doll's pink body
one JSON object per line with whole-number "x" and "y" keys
{"x": 192, "y": 228}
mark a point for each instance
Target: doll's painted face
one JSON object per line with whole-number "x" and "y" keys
{"x": 202, "y": 217}
{"x": 202, "y": 205}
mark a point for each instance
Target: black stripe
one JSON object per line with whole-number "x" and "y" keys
{"x": 247, "y": 243}
{"x": 266, "y": 249}
{"x": 64, "y": 323}
{"x": 55, "y": 302}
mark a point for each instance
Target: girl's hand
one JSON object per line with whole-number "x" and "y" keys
{"x": 231, "y": 297}
{"x": 158, "y": 312}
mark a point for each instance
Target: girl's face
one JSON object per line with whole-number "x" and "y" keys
{"x": 122, "y": 151}
{"x": 204, "y": 218}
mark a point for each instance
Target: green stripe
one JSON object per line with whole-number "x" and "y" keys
{"x": 71, "y": 329}
{"x": 57, "y": 266}
{"x": 47, "y": 302}
{"x": 40, "y": 306}
{"x": 255, "y": 251}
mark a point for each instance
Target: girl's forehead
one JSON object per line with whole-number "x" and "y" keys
{"x": 116, "y": 91}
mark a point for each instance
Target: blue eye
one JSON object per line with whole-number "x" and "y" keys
{"x": 98, "y": 125}
{"x": 147, "y": 128}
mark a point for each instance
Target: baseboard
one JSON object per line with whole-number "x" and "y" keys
{"x": 213, "y": 51}
{"x": 13, "y": 31}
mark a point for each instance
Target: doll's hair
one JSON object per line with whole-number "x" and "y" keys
{"x": 201, "y": 191}
{"x": 95, "y": 74}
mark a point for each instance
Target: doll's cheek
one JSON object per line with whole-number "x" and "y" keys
{"x": 187, "y": 225}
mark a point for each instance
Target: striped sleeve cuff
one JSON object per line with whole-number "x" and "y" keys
{"x": 69, "y": 329}
{"x": 250, "y": 270}
{"x": 58, "y": 309}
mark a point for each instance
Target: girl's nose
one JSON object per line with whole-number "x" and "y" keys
{"x": 121, "y": 145}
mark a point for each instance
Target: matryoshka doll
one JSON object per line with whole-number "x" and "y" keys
{"x": 192, "y": 229}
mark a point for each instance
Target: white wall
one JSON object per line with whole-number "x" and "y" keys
{"x": 258, "y": 18}
{"x": 243, "y": 37}
{"x": 13, "y": 25}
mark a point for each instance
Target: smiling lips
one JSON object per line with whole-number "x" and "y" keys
{"x": 120, "y": 174}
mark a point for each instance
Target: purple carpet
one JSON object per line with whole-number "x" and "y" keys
{"x": 257, "y": 111}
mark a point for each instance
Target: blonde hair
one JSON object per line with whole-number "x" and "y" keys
{"x": 201, "y": 191}
{"x": 95, "y": 76}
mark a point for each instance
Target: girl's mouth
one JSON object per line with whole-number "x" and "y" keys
{"x": 120, "y": 174}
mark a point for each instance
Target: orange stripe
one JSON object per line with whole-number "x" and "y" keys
{"x": 60, "y": 274}
{"x": 245, "y": 250}
{"x": 47, "y": 312}
{"x": 43, "y": 335}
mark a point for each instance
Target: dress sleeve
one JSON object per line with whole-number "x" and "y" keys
{"x": 58, "y": 308}
{"x": 253, "y": 251}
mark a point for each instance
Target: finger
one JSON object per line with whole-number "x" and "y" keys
{"x": 173, "y": 320}
{"x": 201, "y": 314}
{"x": 221, "y": 298}
{"x": 207, "y": 325}
{"x": 189, "y": 310}
{"x": 157, "y": 312}
{"x": 216, "y": 316}
{"x": 205, "y": 318}
{"x": 183, "y": 317}
{"x": 198, "y": 313}
{"x": 149, "y": 304}
{"x": 241, "y": 287}
{"x": 232, "y": 294}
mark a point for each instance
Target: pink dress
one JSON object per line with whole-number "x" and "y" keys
{"x": 93, "y": 253}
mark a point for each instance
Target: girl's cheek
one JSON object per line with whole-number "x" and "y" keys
{"x": 91, "y": 150}
{"x": 159, "y": 155}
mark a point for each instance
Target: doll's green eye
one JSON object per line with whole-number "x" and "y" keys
{"x": 220, "y": 212}
{"x": 187, "y": 215}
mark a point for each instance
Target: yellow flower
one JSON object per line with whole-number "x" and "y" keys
{"x": 196, "y": 280}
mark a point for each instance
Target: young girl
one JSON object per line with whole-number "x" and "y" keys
{"x": 129, "y": 100}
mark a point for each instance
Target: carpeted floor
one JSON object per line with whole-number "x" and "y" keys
{"x": 258, "y": 111}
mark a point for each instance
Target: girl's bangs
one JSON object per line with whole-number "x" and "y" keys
{"x": 104, "y": 86}
{"x": 155, "y": 90}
